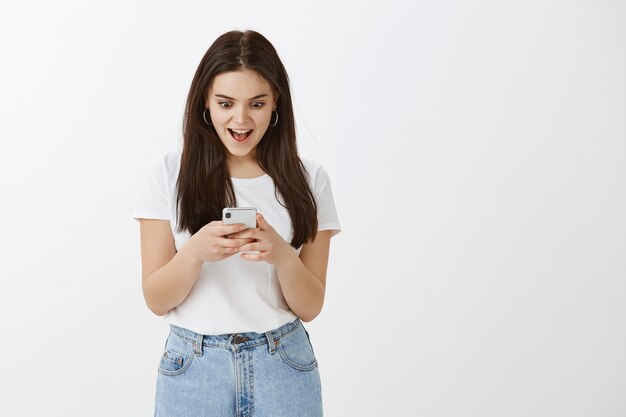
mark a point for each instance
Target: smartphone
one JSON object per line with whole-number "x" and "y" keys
{"x": 245, "y": 215}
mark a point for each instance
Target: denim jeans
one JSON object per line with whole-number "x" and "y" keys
{"x": 272, "y": 374}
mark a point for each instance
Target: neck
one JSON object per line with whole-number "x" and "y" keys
{"x": 244, "y": 167}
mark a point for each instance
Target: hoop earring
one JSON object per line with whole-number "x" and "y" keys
{"x": 274, "y": 124}
{"x": 204, "y": 117}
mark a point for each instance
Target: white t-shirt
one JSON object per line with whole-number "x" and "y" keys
{"x": 234, "y": 295}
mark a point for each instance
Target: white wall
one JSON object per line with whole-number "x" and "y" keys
{"x": 477, "y": 152}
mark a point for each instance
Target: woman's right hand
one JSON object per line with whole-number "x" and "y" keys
{"x": 211, "y": 243}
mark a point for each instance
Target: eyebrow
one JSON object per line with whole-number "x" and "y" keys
{"x": 230, "y": 98}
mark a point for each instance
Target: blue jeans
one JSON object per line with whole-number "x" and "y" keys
{"x": 272, "y": 374}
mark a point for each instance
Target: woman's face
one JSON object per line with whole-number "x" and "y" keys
{"x": 241, "y": 104}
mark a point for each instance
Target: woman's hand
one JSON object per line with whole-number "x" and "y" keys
{"x": 210, "y": 243}
{"x": 271, "y": 246}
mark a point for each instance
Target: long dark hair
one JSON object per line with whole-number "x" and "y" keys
{"x": 204, "y": 184}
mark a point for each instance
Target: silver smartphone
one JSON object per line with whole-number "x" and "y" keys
{"x": 245, "y": 215}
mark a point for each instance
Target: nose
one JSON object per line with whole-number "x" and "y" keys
{"x": 241, "y": 114}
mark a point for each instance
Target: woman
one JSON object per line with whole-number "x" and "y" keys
{"x": 235, "y": 298}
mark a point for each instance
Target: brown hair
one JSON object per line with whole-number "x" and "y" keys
{"x": 204, "y": 184}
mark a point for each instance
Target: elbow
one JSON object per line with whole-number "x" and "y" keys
{"x": 156, "y": 310}
{"x": 311, "y": 315}
{"x": 307, "y": 318}
{"x": 159, "y": 313}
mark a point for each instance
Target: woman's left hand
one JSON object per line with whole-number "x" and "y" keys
{"x": 271, "y": 246}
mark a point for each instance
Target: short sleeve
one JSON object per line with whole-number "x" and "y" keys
{"x": 326, "y": 212}
{"x": 151, "y": 200}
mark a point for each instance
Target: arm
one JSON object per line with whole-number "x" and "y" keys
{"x": 167, "y": 276}
{"x": 303, "y": 278}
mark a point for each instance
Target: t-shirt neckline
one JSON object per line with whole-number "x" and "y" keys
{"x": 251, "y": 181}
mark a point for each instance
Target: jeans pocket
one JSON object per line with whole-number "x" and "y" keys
{"x": 296, "y": 351}
{"x": 177, "y": 356}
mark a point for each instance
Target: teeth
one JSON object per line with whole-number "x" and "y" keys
{"x": 241, "y": 132}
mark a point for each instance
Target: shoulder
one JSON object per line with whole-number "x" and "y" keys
{"x": 168, "y": 161}
{"x": 163, "y": 168}
{"x": 318, "y": 178}
{"x": 171, "y": 159}
{"x": 314, "y": 169}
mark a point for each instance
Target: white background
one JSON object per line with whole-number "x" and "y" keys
{"x": 477, "y": 152}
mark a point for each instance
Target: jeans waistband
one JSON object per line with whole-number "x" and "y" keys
{"x": 241, "y": 339}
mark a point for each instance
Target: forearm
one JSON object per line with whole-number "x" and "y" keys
{"x": 168, "y": 286}
{"x": 302, "y": 290}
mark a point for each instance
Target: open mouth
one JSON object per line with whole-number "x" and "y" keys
{"x": 240, "y": 135}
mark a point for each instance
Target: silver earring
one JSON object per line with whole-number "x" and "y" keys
{"x": 274, "y": 124}
{"x": 204, "y": 117}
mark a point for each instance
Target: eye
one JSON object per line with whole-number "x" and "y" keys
{"x": 257, "y": 104}
{"x": 225, "y": 104}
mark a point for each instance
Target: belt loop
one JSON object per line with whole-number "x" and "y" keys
{"x": 197, "y": 345}
{"x": 270, "y": 342}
